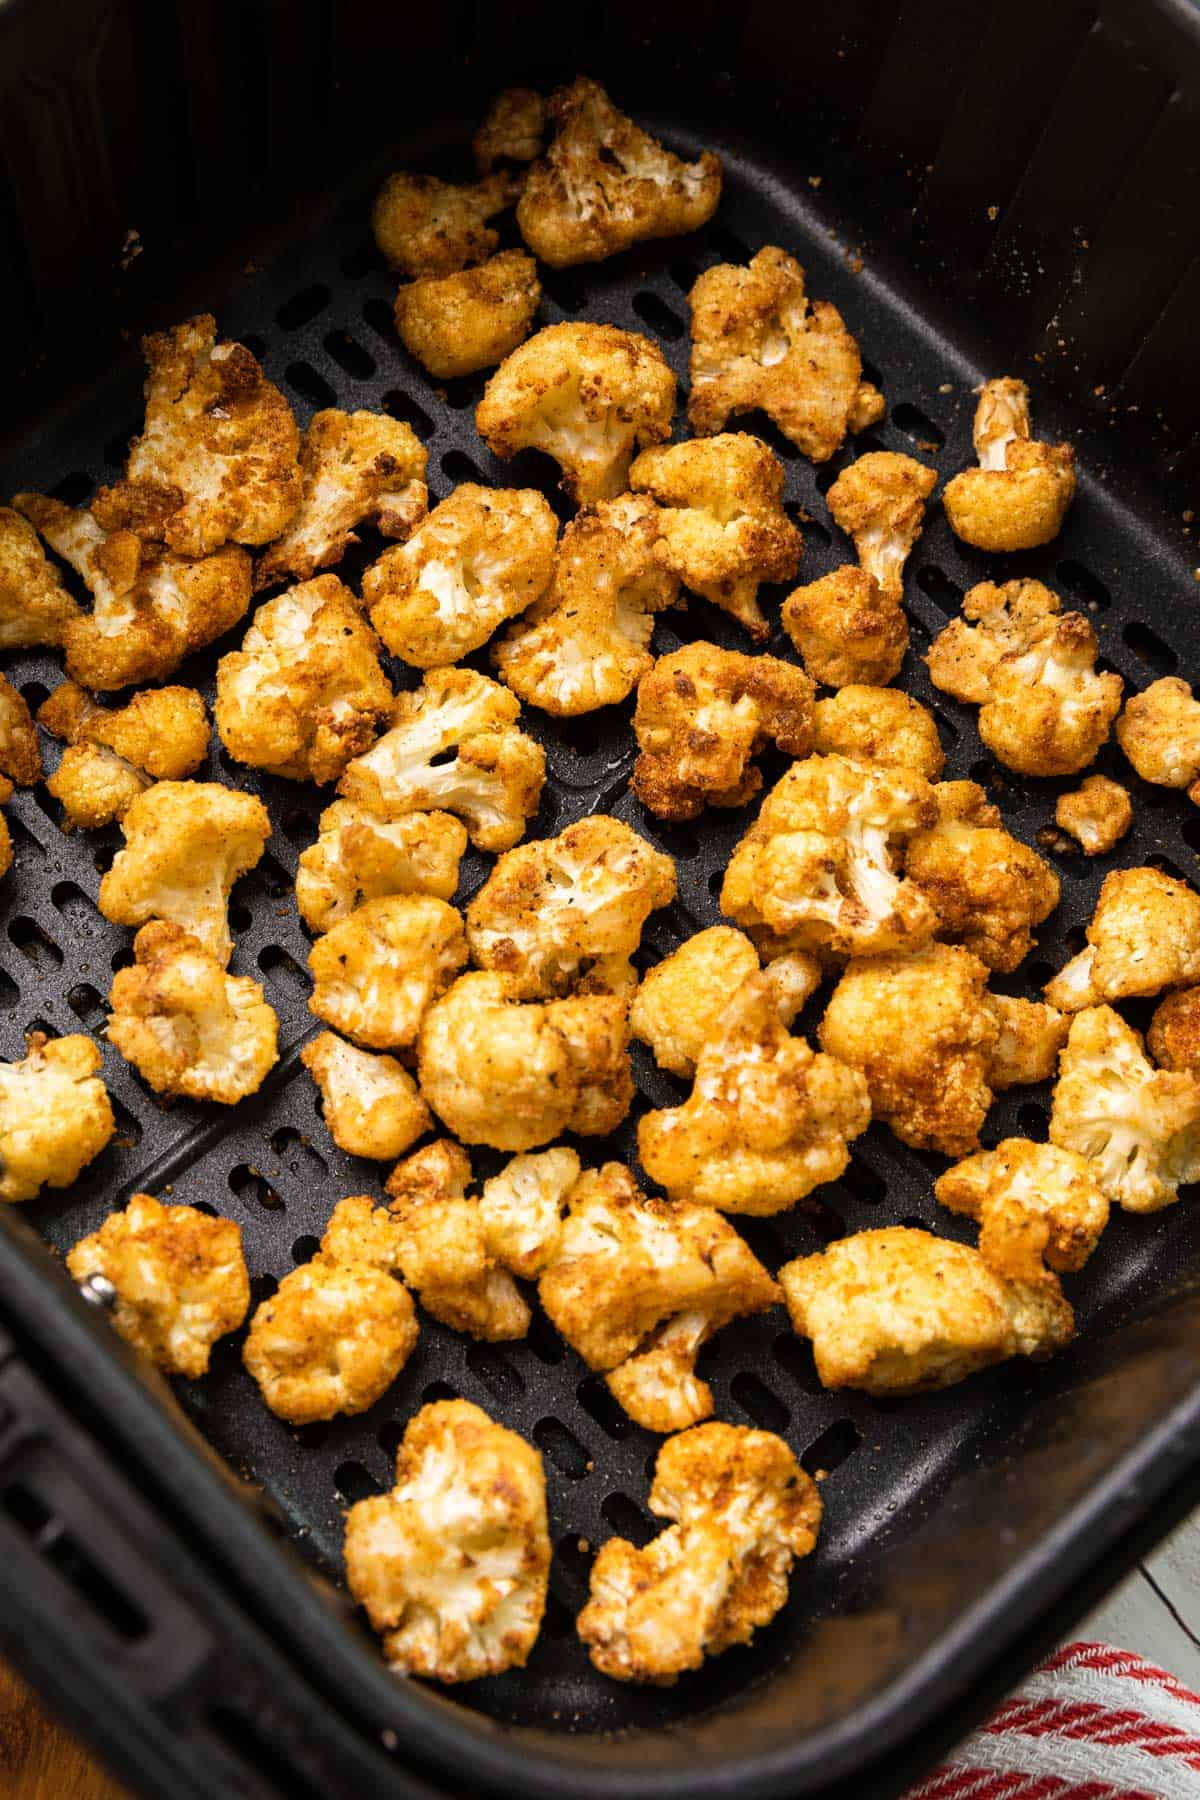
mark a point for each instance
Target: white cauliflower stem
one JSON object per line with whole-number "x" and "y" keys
{"x": 1018, "y": 496}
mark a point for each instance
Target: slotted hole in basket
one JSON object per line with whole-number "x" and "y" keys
{"x": 829, "y": 1451}
{"x": 495, "y": 1371}
{"x": 349, "y": 355}
{"x": 684, "y": 274}
{"x": 47, "y": 804}
{"x": 240, "y": 917}
{"x": 558, "y": 1620}
{"x": 303, "y": 306}
{"x": 727, "y": 244}
{"x": 10, "y": 993}
{"x": 117, "y": 447}
{"x": 36, "y": 945}
{"x": 305, "y": 1248}
{"x": 1159, "y": 861}
{"x": 86, "y": 1002}
{"x": 559, "y": 1443}
{"x": 544, "y": 1341}
{"x": 354, "y": 1481}
{"x": 73, "y": 489}
{"x": 257, "y": 346}
{"x": 1149, "y": 648}
{"x": 864, "y": 1182}
{"x": 23, "y": 839}
{"x": 248, "y": 1184}
{"x": 360, "y": 260}
{"x": 821, "y": 1219}
{"x": 272, "y": 877}
{"x": 310, "y": 1437}
{"x": 122, "y": 958}
{"x": 292, "y": 1148}
{"x": 457, "y": 466}
{"x": 627, "y": 1518}
{"x": 378, "y": 315}
{"x": 262, "y": 1287}
{"x": 403, "y": 407}
{"x": 758, "y": 1402}
{"x": 284, "y": 971}
{"x": 812, "y": 531}
{"x": 1190, "y": 832}
{"x": 1082, "y": 585}
{"x": 1033, "y": 1119}
{"x": 439, "y": 1390}
{"x": 565, "y": 288}
{"x": 918, "y": 426}
{"x": 937, "y": 586}
{"x": 574, "y": 1560}
{"x": 129, "y": 1128}
{"x": 300, "y": 826}
{"x": 390, "y": 1437}
{"x": 40, "y": 1028}
{"x": 303, "y": 379}
{"x": 658, "y": 316}
{"x": 70, "y": 900}
{"x": 794, "y": 1356}
{"x": 597, "y": 1402}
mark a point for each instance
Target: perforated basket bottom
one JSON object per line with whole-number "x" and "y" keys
{"x": 319, "y": 315}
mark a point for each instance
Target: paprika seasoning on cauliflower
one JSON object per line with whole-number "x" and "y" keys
{"x": 114, "y": 753}
{"x": 35, "y": 607}
{"x": 1018, "y": 496}
{"x": 361, "y": 856}
{"x": 1173, "y": 1038}
{"x": 879, "y": 725}
{"x": 370, "y": 1103}
{"x": 55, "y": 1115}
{"x": 425, "y": 226}
{"x": 20, "y": 752}
{"x": 457, "y": 324}
{"x": 679, "y": 1003}
{"x": 376, "y": 972}
{"x": 1159, "y": 731}
{"x": 438, "y": 1238}
{"x": 1037, "y": 1206}
{"x": 1143, "y": 936}
{"x": 1098, "y": 814}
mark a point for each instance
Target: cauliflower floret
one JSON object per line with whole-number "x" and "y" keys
{"x": 1018, "y": 496}
{"x": 452, "y": 1566}
{"x": 586, "y": 642}
{"x": 604, "y": 184}
{"x": 186, "y": 843}
{"x": 429, "y": 227}
{"x": 359, "y": 856}
{"x": 438, "y": 1238}
{"x": 702, "y": 714}
{"x": 1036, "y": 1205}
{"x": 522, "y": 1209}
{"x": 218, "y": 458}
{"x": 495, "y": 779}
{"x": 1030, "y": 1038}
{"x": 512, "y": 129}
{"x": 1144, "y": 936}
{"x": 185, "y": 1025}
{"x": 996, "y": 621}
{"x": 637, "y": 1286}
{"x": 723, "y": 527}
{"x": 515, "y": 1076}
{"x": 899, "y": 1311}
{"x": 482, "y": 556}
{"x": 180, "y": 1279}
{"x": 587, "y": 395}
{"x": 305, "y": 693}
{"x": 566, "y": 913}
{"x": 1097, "y": 815}
{"x": 677, "y": 1010}
{"x": 745, "y": 1511}
{"x": 55, "y": 1116}
{"x": 20, "y": 753}
{"x": 1174, "y": 1035}
{"x": 759, "y": 343}
{"x": 35, "y": 607}
{"x": 879, "y": 725}
{"x": 879, "y": 501}
{"x": 456, "y": 324}
{"x": 848, "y": 632}
{"x": 1159, "y": 731}
{"x": 1138, "y": 1126}
{"x": 355, "y": 468}
{"x": 370, "y": 1103}
{"x": 376, "y": 972}
{"x": 113, "y": 755}
{"x": 818, "y": 866}
{"x": 987, "y": 889}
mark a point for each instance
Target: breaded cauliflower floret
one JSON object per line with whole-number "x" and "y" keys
{"x": 512, "y": 129}
{"x": 1018, "y": 496}
{"x": 356, "y": 468}
{"x": 987, "y": 889}
{"x": 20, "y": 752}
{"x": 1036, "y": 1205}
{"x": 360, "y": 856}
{"x": 588, "y": 396}
{"x": 371, "y": 1104}
{"x": 516, "y": 1076}
{"x": 758, "y": 343}
{"x": 186, "y": 843}
{"x": 55, "y": 1116}
{"x": 1159, "y": 731}
{"x": 482, "y": 556}
{"x": 702, "y": 715}
{"x": 899, "y": 1311}
{"x": 35, "y": 607}
{"x": 188, "y": 1027}
{"x": 438, "y": 1239}
{"x": 819, "y": 865}
{"x": 996, "y": 621}
{"x": 1098, "y": 814}
{"x": 113, "y": 754}
{"x": 180, "y": 1278}
{"x": 723, "y": 527}
{"x": 429, "y": 227}
{"x": 1144, "y": 936}
{"x": 456, "y": 324}
{"x": 879, "y": 725}
{"x": 637, "y": 1286}
{"x": 847, "y": 630}
{"x": 1174, "y": 1035}
{"x": 744, "y": 1511}
{"x": 565, "y": 914}
{"x": 494, "y": 781}
{"x": 376, "y": 972}
{"x": 522, "y": 1209}
{"x": 1030, "y": 1038}
{"x": 218, "y": 458}
{"x": 678, "y": 1007}
{"x": 452, "y": 1566}
{"x": 604, "y": 184}
{"x": 879, "y": 501}
{"x": 586, "y": 642}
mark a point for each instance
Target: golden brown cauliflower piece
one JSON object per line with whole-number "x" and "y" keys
{"x": 113, "y": 754}
{"x": 55, "y": 1116}
{"x": 879, "y": 725}
{"x": 604, "y": 184}
{"x": 848, "y": 632}
{"x": 452, "y": 1565}
{"x": 35, "y": 607}
{"x": 437, "y": 1236}
{"x": 996, "y": 621}
{"x": 1144, "y": 936}
{"x": 218, "y": 458}
{"x": 637, "y": 1286}
{"x": 1018, "y": 496}
{"x": 702, "y": 715}
{"x": 522, "y": 1209}
{"x": 899, "y": 1311}
{"x": 456, "y": 324}
{"x": 1098, "y": 814}
{"x": 879, "y": 501}
{"x": 1159, "y": 731}
{"x": 376, "y": 972}
{"x": 512, "y": 129}
{"x": 186, "y": 1026}
{"x": 586, "y": 642}
{"x": 515, "y": 1076}
{"x": 759, "y": 343}
{"x": 1036, "y": 1205}
{"x": 359, "y": 856}
{"x": 20, "y": 752}
{"x": 1030, "y": 1038}
{"x": 180, "y": 1278}
{"x": 987, "y": 889}
{"x": 424, "y": 226}
{"x": 355, "y": 468}
{"x": 186, "y": 843}
{"x": 745, "y": 1511}
{"x": 587, "y": 395}
{"x": 371, "y": 1104}
{"x": 679, "y": 1005}
{"x": 494, "y": 781}
{"x": 482, "y": 556}
{"x": 1174, "y": 1035}
{"x": 565, "y": 914}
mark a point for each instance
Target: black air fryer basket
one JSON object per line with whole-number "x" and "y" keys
{"x": 981, "y": 188}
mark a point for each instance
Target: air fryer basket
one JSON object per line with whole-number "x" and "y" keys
{"x": 946, "y": 206}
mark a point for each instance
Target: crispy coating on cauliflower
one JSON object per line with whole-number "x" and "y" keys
{"x": 637, "y": 1286}
{"x": 218, "y": 458}
{"x": 587, "y": 395}
{"x": 987, "y": 889}
{"x": 494, "y": 781}
{"x": 879, "y": 501}
{"x": 899, "y": 1311}
{"x": 723, "y": 527}
{"x": 1098, "y": 814}
{"x": 522, "y": 1209}
{"x": 355, "y": 468}
{"x": 744, "y": 1511}
{"x": 180, "y": 1277}
{"x": 452, "y": 1566}
{"x": 481, "y": 557}
{"x": 1159, "y": 731}
{"x": 679, "y": 1005}
{"x": 376, "y": 972}
{"x": 371, "y": 1104}
{"x": 456, "y": 324}
{"x": 1144, "y": 936}
{"x": 565, "y": 914}
{"x": 586, "y": 642}
{"x": 604, "y": 184}
{"x": 438, "y": 1239}
{"x": 1037, "y": 1207}
{"x": 186, "y": 843}
{"x": 35, "y": 607}
{"x": 702, "y": 715}
{"x": 996, "y": 621}
{"x": 360, "y": 856}
{"x": 759, "y": 343}
{"x": 424, "y": 226}
{"x": 512, "y": 129}
{"x": 113, "y": 754}
{"x": 514, "y": 1075}
{"x": 1174, "y": 1035}
{"x": 55, "y": 1115}
{"x": 20, "y": 752}
{"x": 1018, "y": 496}
{"x": 879, "y": 725}
{"x": 847, "y": 630}
{"x": 1030, "y": 1038}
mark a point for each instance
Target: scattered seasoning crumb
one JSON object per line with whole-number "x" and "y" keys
{"x": 854, "y": 261}
{"x": 814, "y": 181}
{"x": 388, "y": 1738}
{"x": 947, "y": 387}
{"x": 820, "y": 1474}
{"x": 590, "y": 1465}
{"x": 993, "y": 213}
{"x": 583, "y": 1546}
{"x": 1188, "y": 515}
{"x": 928, "y": 446}
{"x": 1098, "y": 391}
{"x": 131, "y": 247}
